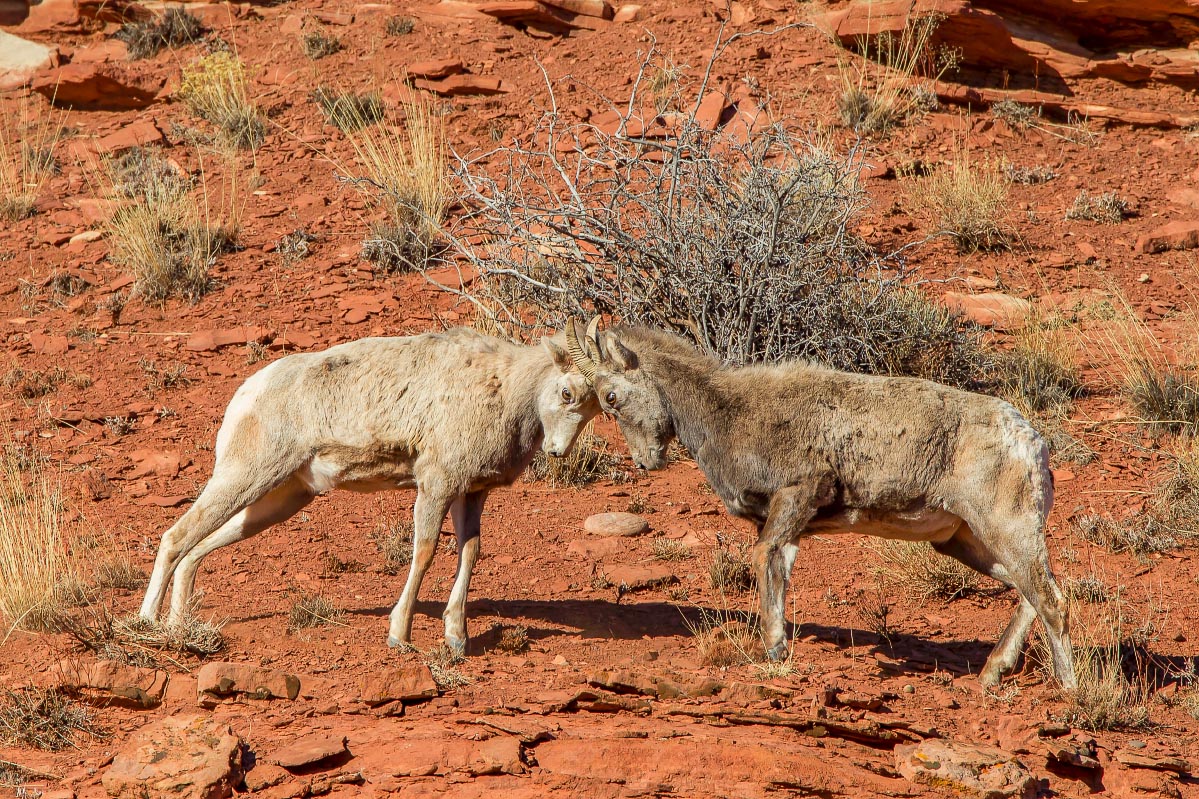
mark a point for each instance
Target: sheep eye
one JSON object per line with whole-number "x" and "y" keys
{"x": 566, "y": 395}
{"x": 611, "y": 398}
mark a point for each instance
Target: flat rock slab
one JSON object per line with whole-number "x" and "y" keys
{"x": 640, "y": 578}
{"x": 20, "y": 60}
{"x": 107, "y": 682}
{"x": 986, "y": 772}
{"x": 618, "y": 524}
{"x": 991, "y": 309}
{"x": 184, "y": 757}
{"x": 407, "y": 684}
{"x": 1174, "y": 236}
{"x": 311, "y": 750}
{"x": 218, "y": 680}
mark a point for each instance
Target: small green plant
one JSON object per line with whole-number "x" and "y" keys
{"x": 172, "y": 28}
{"x": 1028, "y": 175}
{"x": 1018, "y": 115}
{"x": 1108, "y": 207}
{"x": 1039, "y": 374}
{"x": 162, "y": 379}
{"x": 319, "y": 44}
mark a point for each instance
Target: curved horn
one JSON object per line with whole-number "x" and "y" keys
{"x": 582, "y": 360}
{"x": 593, "y": 339}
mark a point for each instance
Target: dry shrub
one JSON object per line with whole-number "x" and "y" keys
{"x": 394, "y": 540}
{"x": 44, "y": 719}
{"x": 215, "y": 88}
{"x": 1141, "y": 534}
{"x": 874, "y": 611}
{"x": 876, "y": 92}
{"x": 117, "y": 570}
{"x": 313, "y": 610}
{"x": 514, "y": 639}
{"x": 731, "y": 570}
{"x": 723, "y": 642}
{"x": 1088, "y": 588}
{"x": 403, "y": 172}
{"x": 399, "y": 26}
{"x": 27, "y": 160}
{"x": 348, "y": 111}
{"x": 160, "y": 378}
{"x": 159, "y": 233}
{"x": 318, "y": 44}
{"x": 442, "y": 662}
{"x": 1018, "y": 115}
{"x": 1108, "y": 207}
{"x": 969, "y": 200}
{"x": 669, "y": 550}
{"x": 174, "y": 27}
{"x": 31, "y": 384}
{"x": 189, "y": 634}
{"x": 587, "y": 461}
{"x": 923, "y": 573}
{"x": 746, "y": 248}
{"x": 36, "y": 568}
{"x": 1039, "y": 374}
{"x": 1028, "y": 175}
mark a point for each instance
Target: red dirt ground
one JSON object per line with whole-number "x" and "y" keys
{"x": 527, "y": 574}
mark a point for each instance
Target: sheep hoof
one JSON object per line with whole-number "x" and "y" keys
{"x": 396, "y": 643}
{"x": 456, "y": 645}
{"x": 777, "y": 652}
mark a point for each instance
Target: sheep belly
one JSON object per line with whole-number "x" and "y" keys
{"x": 928, "y": 524}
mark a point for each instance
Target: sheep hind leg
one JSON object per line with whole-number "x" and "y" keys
{"x": 428, "y": 513}
{"x": 277, "y": 505}
{"x": 228, "y": 491}
{"x": 466, "y": 516}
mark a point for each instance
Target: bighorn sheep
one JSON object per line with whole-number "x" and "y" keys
{"x": 453, "y": 414}
{"x": 801, "y": 449}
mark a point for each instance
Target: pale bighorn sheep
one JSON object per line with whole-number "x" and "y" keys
{"x": 452, "y": 414}
{"x": 801, "y": 449}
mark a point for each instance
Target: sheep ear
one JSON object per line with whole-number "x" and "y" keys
{"x": 620, "y": 357}
{"x": 561, "y": 357}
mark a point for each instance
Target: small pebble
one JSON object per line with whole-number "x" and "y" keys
{"x": 909, "y": 689}
{"x": 1136, "y": 744}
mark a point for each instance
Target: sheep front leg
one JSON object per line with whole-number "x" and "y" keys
{"x": 432, "y": 503}
{"x": 791, "y": 508}
{"x": 466, "y": 516}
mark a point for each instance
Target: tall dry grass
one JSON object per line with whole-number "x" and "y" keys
{"x": 37, "y": 572}
{"x": 27, "y": 160}
{"x": 216, "y": 88}
{"x": 969, "y": 198}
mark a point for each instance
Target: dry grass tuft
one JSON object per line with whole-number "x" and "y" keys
{"x": 399, "y": 26}
{"x": 727, "y": 639}
{"x": 319, "y": 44}
{"x": 588, "y": 460}
{"x": 1040, "y": 374}
{"x": 730, "y": 570}
{"x": 215, "y": 88}
{"x": 44, "y": 719}
{"x": 669, "y": 550}
{"x": 36, "y": 567}
{"x": 27, "y": 160}
{"x": 1028, "y": 175}
{"x": 1088, "y": 588}
{"x": 313, "y": 610}
{"x": 874, "y": 610}
{"x": 191, "y": 634}
{"x": 174, "y": 27}
{"x": 923, "y": 573}
{"x": 1176, "y": 501}
{"x": 1141, "y": 534}
{"x": 118, "y": 571}
{"x": 160, "y": 234}
{"x": 403, "y": 172}
{"x": 1108, "y": 207}
{"x": 876, "y": 92}
{"x": 514, "y": 639}
{"x": 442, "y": 662}
{"x": 394, "y": 540}
{"x": 969, "y": 200}
{"x": 348, "y": 111}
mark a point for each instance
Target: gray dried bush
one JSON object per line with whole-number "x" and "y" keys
{"x": 745, "y": 247}
{"x": 173, "y": 27}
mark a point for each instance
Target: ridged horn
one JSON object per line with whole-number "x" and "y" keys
{"x": 593, "y": 336}
{"x": 582, "y": 360}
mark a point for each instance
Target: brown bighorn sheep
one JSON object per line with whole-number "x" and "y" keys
{"x": 801, "y": 449}
{"x": 452, "y": 414}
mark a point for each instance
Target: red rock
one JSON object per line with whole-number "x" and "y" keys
{"x": 334, "y": 17}
{"x": 156, "y": 500}
{"x": 972, "y": 769}
{"x": 406, "y": 684}
{"x": 710, "y": 114}
{"x": 210, "y": 340}
{"x": 137, "y": 134}
{"x": 149, "y": 462}
{"x": 457, "y": 85}
{"x": 293, "y": 340}
{"x": 630, "y": 13}
{"x": 13, "y": 12}
{"x": 20, "y": 60}
{"x": 185, "y": 757}
{"x": 435, "y": 70}
{"x": 108, "y": 50}
{"x": 1184, "y": 197}
{"x": 96, "y": 86}
{"x": 108, "y": 682}
{"x": 639, "y": 578}
{"x": 1181, "y": 235}
{"x": 114, "y": 10}
{"x": 310, "y": 750}
{"x": 292, "y": 25}
{"x": 996, "y": 310}
{"x": 615, "y": 524}
{"x": 51, "y": 16}
{"x": 587, "y": 8}
{"x": 265, "y": 775}
{"x": 49, "y": 345}
{"x": 596, "y": 550}
{"x": 219, "y": 679}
